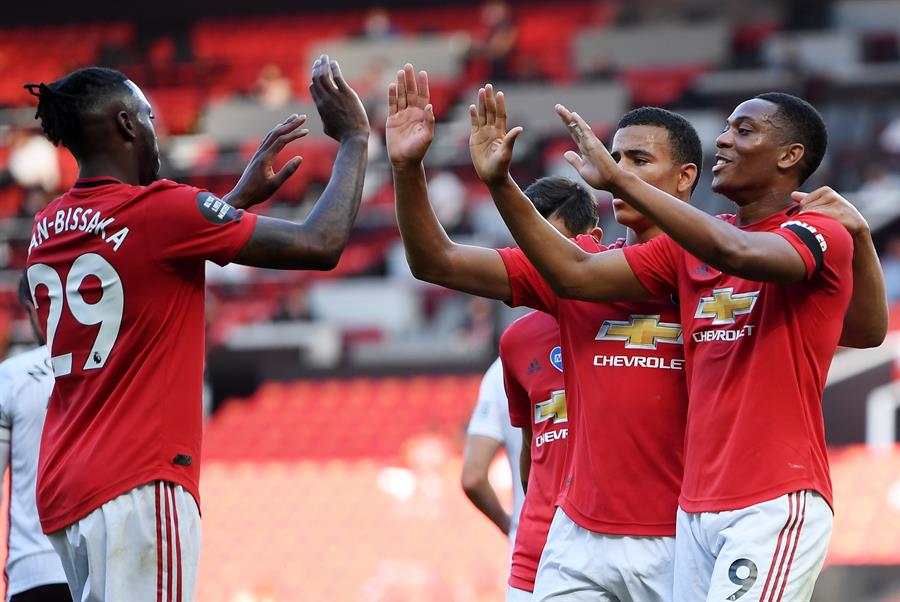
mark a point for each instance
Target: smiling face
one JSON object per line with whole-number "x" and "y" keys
{"x": 645, "y": 151}
{"x": 751, "y": 153}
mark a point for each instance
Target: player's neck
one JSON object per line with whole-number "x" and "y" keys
{"x": 634, "y": 237}
{"x": 761, "y": 206}
{"x": 102, "y": 167}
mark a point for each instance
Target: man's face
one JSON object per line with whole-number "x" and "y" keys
{"x": 644, "y": 150}
{"x": 748, "y": 150}
{"x": 146, "y": 142}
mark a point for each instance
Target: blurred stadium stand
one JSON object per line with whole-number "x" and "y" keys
{"x": 332, "y": 467}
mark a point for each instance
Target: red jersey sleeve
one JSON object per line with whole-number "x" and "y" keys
{"x": 193, "y": 224}
{"x": 527, "y": 285}
{"x": 655, "y": 264}
{"x": 822, "y": 242}
{"x": 516, "y": 395}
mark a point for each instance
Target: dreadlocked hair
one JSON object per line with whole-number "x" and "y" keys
{"x": 63, "y": 103}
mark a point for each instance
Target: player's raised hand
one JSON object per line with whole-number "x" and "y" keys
{"x": 826, "y": 200}
{"x": 260, "y": 180}
{"x": 339, "y": 107}
{"x": 594, "y": 163}
{"x": 490, "y": 144}
{"x": 409, "y": 129}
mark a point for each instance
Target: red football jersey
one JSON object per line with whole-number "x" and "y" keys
{"x": 117, "y": 272}
{"x": 533, "y": 377}
{"x": 758, "y": 354}
{"x": 626, "y": 400}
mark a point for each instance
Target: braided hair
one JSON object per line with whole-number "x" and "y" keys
{"x": 63, "y": 103}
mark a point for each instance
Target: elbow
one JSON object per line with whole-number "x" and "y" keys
{"x": 326, "y": 259}
{"x": 867, "y": 340}
{"x": 472, "y": 482}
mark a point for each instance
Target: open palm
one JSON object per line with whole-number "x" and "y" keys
{"x": 490, "y": 144}
{"x": 409, "y": 129}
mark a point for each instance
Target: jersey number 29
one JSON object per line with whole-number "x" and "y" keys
{"x": 107, "y": 312}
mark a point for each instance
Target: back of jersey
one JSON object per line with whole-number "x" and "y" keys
{"x": 117, "y": 275}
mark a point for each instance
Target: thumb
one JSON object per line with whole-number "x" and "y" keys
{"x": 287, "y": 171}
{"x": 798, "y": 196}
{"x": 510, "y": 139}
{"x": 429, "y": 119}
{"x": 574, "y": 160}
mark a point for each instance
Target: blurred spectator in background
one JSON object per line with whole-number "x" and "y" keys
{"x": 498, "y": 40}
{"x": 272, "y": 89}
{"x": 877, "y": 178}
{"x": 448, "y": 198}
{"x": 890, "y": 263}
{"x": 33, "y": 163}
{"x": 294, "y": 308}
{"x": 378, "y": 25}
{"x": 601, "y": 67}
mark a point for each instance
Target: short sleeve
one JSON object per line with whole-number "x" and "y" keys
{"x": 822, "y": 242}
{"x": 517, "y": 397}
{"x": 655, "y": 264}
{"x": 489, "y": 419}
{"x": 189, "y": 223}
{"x": 7, "y": 390}
{"x": 527, "y": 285}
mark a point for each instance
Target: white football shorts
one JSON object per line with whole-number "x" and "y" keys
{"x": 578, "y": 564}
{"x": 770, "y": 552}
{"x": 142, "y": 545}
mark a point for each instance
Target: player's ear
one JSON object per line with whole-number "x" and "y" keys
{"x": 596, "y": 233}
{"x": 127, "y": 126}
{"x": 686, "y": 177}
{"x": 791, "y": 155}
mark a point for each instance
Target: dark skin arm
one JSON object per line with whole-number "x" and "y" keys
{"x": 525, "y": 456}
{"x": 570, "y": 271}
{"x": 432, "y": 256}
{"x": 318, "y": 242}
{"x": 761, "y": 256}
{"x": 866, "y": 321}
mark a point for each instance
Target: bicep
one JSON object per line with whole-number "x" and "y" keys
{"x": 606, "y": 277}
{"x": 280, "y": 244}
{"x": 766, "y": 257}
{"x": 480, "y": 451}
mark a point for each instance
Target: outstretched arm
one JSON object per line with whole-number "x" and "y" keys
{"x": 762, "y": 256}
{"x": 432, "y": 256}
{"x": 319, "y": 241}
{"x": 866, "y": 321}
{"x": 570, "y": 271}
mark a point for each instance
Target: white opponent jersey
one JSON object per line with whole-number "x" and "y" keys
{"x": 491, "y": 419}
{"x": 25, "y": 384}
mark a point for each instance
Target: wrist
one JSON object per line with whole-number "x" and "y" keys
{"x": 499, "y": 182}
{"x": 235, "y": 200}
{"x": 860, "y": 232}
{"x": 407, "y": 166}
{"x": 619, "y": 181}
{"x": 356, "y": 136}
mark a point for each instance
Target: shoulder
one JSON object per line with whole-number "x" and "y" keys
{"x": 15, "y": 371}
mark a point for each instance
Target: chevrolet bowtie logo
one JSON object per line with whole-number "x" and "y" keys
{"x": 724, "y": 305}
{"x": 640, "y": 332}
{"x": 554, "y": 408}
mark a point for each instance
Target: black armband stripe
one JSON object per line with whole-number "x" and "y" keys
{"x": 809, "y": 239}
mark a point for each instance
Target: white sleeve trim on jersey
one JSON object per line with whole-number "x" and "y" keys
{"x": 491, "y": 413}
